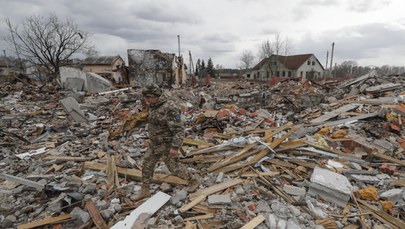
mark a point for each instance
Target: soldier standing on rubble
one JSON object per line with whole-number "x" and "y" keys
{"x": 166, "y": 132}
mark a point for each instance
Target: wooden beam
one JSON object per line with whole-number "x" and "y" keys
{"x": 261, "y": 154}
{"x": 65, "y": 158}
{"x": 136, "y": 174}
{"x": 254, "y": 222}
{"x": 264, "y": 174}
{"x": 95, "y": 215}
{"x": 216, "y": 188}
{"x": 394, "y": 222}
{"x": 50, "y": 220}
{"x": 200, "y": 208}
{"x": 212, "y": 149}
{"x": 200, "y": 217}
{"x": 198, "y": 143}
{"x": 243, "y": 153}
{"x": 388, "y": 158}
{"x": 192, "y": 203}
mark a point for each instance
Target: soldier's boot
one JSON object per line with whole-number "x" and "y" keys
{"x": 142, "y": 194}
{"x": 193, "y": 185}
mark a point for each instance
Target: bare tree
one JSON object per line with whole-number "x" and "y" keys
{"x": 266, "y": 49}
{"x": 48, "y": 41}
{"x": 277, "y": 47}
{"x": 246, "y": 60}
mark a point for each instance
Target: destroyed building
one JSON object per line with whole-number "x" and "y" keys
{"x": 154, "y": 66}
{"x": 107, "y": 66}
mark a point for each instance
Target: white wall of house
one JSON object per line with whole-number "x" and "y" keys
{"x": 311, "y": 68}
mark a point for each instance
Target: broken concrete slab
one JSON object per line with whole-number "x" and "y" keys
{"x": 96, "y": 83}
{"x": 71, "y": 78}
{"x": 384, "y": 87}
{"x": 331, "y": 186}
{"x": 293, "y": 190}
{"x": 74, "y": 84}
{"x": 220, "y": 199}
{"x": 335, "y": 113}
{"x": 71, "y": 107}
{"x": 178, "y": 196}
{"x": 76, "y": 79}
{"x": 394, "y": 195}
{"x": 365, "y": 178}
{"x": 371, "y": 74}
{"x": 23, "y": 181}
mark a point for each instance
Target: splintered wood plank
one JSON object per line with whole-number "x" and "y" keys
{"x": 199, "y": 143}
{"x": 290, "y": 145}
{"x": 260, "y": 155}
{"x": 274, "y": 144}
{"x": 50, "y": 220}
{"x": 216, "y": 188}
{"x": 233, "y": 158}
{"x": 65, "y": 158}
{"x": 192, "y": 203}
{"x": 203, "y": 159}
{"x": 136, "y": 174}
{"x": 400, "y": 182}
{"x": 302, "y": 162}
{"x": 264, "y": 174}
{"x": 200, "y": 217}
{"x": 190, "y": 225}
{"x": 95, "y": 215}
{"x": 254, "y": 222}
{"x": 396, "y": 223}
{"x": 282, "y": 163}
{"x": 200, "y": 208}
{"x": 244, "y": 152}
{"x": 388, "y": 158}
{"x": 212, "y": 149}
{"x": 334, "y": 151}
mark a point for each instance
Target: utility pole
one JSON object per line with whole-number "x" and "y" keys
{"x": 191, "y": 63}
{"x": 331, "y": 56}
{"x": 327, "y": 57}
{"x": 178, "y": 39}
{"x": 179, "y": 64}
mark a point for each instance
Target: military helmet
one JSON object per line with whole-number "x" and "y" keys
{"x": 151, "y": 90}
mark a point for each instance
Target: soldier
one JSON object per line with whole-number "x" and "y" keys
{"x": 166, "y": 134}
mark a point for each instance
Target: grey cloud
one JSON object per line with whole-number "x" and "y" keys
{"x": 370, "y": 41}
{"x": 319, "y": 2}
{"x": 305, "y": 8}
{"x": 367, "y": 5}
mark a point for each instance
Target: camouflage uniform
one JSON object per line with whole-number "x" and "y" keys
{"x": 166, "y": 131}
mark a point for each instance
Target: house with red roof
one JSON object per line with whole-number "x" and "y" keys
{"x": 305, "y": 66}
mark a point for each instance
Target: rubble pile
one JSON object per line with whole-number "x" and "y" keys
{"x": 292, "y": 155}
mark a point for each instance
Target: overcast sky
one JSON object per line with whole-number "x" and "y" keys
{"x": 370, "y": 32}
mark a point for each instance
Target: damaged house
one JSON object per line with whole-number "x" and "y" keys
{"x": 108, "y": 66}
{"x": 305, "y": 66}
{"x": 154, "y": 66}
